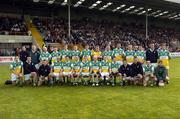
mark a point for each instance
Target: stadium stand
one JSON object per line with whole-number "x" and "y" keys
{"x": 102, "y": 33}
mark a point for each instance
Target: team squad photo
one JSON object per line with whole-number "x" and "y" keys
{"x": 118, "y": 66}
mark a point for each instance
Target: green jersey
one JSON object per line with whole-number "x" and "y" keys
{"x": 105, "y": 66}
{"x": 77, "y": 66}
{"x": 45, "y": 56}
{"x": 16, "y": 67}
{"x": 64, "y": 54}
{"x": 86, "y": 53}
{"x": 67, "y": 66}
{"x": 130, "y": 56}
{"x": 164, "y": 54}
{"x": 115, "y": 66}
{"x": 57, "y": 66}
{"x": 75, "y": 53}
{"x": 140, "y": 55}
{"x": 108, "y": 55}
{"x": 95, "y": 66}
{"x": 86, "y": 66}
{"x": 118, "y": 54}
{"x": 148, "y": 69}
{"x": 54, "y": 56}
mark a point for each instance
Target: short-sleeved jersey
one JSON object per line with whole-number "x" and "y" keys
{"x": 57, "y": 66}
{"x": 140, "y": 55}
{"x": 115, "y": 66}
{"x": 67, "y": 66}
{"x": 45, "y": 56}
{"x": 95, "y": 66}
{"x": 130, "y": 56}
{"x": 96, "y": 53}
{"x": 108, "y": 55}
{"x": 75, "y": 53}
{"x": 86, "y": 53}
{"x": 77, "y": 66}
{"x": 16, "y": 67}
{"x": 54, "y": 56}
{"x": 104, "y": 65}
{"x": 164, "y": 55}
{"x": 64, "y": 54}
{"x": 148, "y": 69}
{"x": 118, "y": 54}
{"x": 86, "y": 67}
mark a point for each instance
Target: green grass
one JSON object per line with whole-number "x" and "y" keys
{"x": 132, "y": 102}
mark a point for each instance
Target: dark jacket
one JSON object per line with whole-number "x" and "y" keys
{"x": 44, "y": 70}
{"x": 23, "y": 56}
{"x": 125, "y": 70}
{"x": 160, "y": 72}
{"x": 34, "y": 57}
{"x": 136, "y": 69}
{"x": 29, "y": 67}
{"x": 152, "y": 56}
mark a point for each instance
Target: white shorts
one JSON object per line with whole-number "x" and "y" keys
{"x": 154, "y": 65}
{"x": 120, "y": 62}
{"x": 37, "y": 66}
{"x": 27, "y": 76}
{"x": 56, "y": 74}
{"x": 85, "y": 74}
{"x": 104, "y": 74}
{"x": 14, "y": 77}
{"x": 67, "y": 73}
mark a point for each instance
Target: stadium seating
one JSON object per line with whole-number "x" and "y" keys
{"x": 103, "y": 32}
{"x": 12, "y": 26}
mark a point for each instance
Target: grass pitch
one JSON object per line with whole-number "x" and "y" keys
{"x": 131, "y": 102}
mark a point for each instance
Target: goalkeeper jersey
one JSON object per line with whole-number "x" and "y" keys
{"x": 96, "y": 54}
{"x": 16, "y": 67}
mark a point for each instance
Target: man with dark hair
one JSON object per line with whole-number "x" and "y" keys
{"x": 125, "y": 72}
{"x": 137, "y": 71}
{"x": 29, "y": 71}
{"x": 152, "y": 55}
{"x": 44, "y": 71}
{"x": 23, "y": 54}
{"x": 160, "y": 73}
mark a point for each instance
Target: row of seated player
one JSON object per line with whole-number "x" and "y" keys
{"x": 101, "y": 33}
{"x": 12, "y": 26}
{"x": 93, "y": 73}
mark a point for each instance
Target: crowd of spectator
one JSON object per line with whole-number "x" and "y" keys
{"x": 12, "y": 26}
{"x": 105, "y": 33}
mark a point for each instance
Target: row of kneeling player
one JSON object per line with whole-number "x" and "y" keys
{"x": 93, "y": 73}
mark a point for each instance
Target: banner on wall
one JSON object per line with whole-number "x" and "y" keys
{"x": 6, "y": 59}
{"x": 175, "y": 54}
